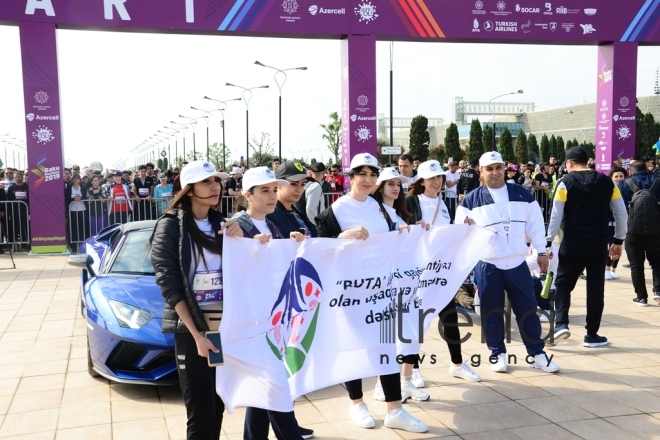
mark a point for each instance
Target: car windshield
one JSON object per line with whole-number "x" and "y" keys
{"x": 134, "y": 254}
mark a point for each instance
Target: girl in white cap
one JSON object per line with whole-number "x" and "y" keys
{"x": 357, "y": 215}
{"x": 427, "y": 208}
{"x": 258, "y": 199}
{"x": 186, "y": 252}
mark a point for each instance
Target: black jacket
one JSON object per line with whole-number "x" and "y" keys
{"x": 414, "y": 208}
{"x": 469, "y": 181}
{"x": 69, "y": 198}
{"x": 286, "y": 221}
{"x": 171, "y": 257}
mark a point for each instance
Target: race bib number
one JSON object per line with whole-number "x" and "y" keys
{"x": 507, "y": 226}
{"x": 120, "y": 200}
{"x": 167, "y": 195}
{"x": 207, "y": 286}
{"x": 143, "y": 192}
{"x": 21, "y": 195}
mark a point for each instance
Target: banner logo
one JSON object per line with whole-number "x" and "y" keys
{"x": 363, "y": 133}
{"x": 43, "y": 134}
{"x": 587, "y": 29}
{"x": 290, "y": 6}
{"x": 623, "y": 132}
{"x": 624, "y": 101}
{"x": 363, "y": 100}
{"x": 366, "y": 11}
{"x": 41, "y": 97}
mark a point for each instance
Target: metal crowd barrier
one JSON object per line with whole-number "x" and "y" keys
{"x": 15, "y": 225}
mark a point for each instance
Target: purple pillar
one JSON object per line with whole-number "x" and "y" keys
{"x": 45, "y": 163}
{"x": 358, "y": 111}
{"x": 616, "y": 105}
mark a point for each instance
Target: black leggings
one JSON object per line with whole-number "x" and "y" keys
{"x": 450, "y": 333}
{"x": 391, "y": 387}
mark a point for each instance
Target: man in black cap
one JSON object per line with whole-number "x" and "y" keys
{"x": 583, "y": 200}
{"x": 469, "y": 180}
{"x": 287, "y": 217}
{"x": 312, "y": 201}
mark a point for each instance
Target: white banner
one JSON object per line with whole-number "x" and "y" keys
{"x": 303, "y": 316}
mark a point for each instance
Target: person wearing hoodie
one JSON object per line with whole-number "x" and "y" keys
{"x": 583, "y": 200}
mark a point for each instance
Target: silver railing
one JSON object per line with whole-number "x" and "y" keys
{"x": 15, "y": 225}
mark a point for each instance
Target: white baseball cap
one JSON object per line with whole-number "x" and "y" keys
{"x": 430, "y": 168}
{"x": 390, "y": 173}
{"x": 364, "y": 160}
{"x": 199, "y": 170}
{"x": 236, "y": 170}
{"x": 490, "y": 158}
{"x": 260, "y": 176}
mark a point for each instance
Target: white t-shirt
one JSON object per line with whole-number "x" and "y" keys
{"x": 429, "y": 206}
{"x": 261, "y": 225}
{"x": 79, "y": 205}
{"x": 501, "y": 199}
{"x": 207, "y": 281}
{"x": 351, "y": 213}
{"x": 394, "y": 216}
{"x": 451, "y": 191}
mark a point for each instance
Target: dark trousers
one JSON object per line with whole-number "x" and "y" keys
{"x": 203, "y": 405}
{"x": 257, "y": 420}
{"x": 639, "y": 248}
{"x": 449, "y": 332}
{"x": 452, "y": 203}
{"x": 573, "y": 259}
{"x": 517, "y": 282}
{"x": 79, "y": 227}
{"x": 391, "y": 387}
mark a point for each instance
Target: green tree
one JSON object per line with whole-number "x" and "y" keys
{"x": 569, "y": 144}
{"x": 561, "y": 150}
{"x": 553, "y": 146}
{"x": 216, "y": 156}
{"x": 382, "y": 158}
{"x": 419, "y": 137}
{"x": 476, "y": 145}
{"x": 438, "y": 153}
{"x": 545, "y": 148}
{"x": 522, "y": 155}
{"x": 486, "y": 139}
{"x": 262, "y": 150}
{"x": 533, "y": 148}
{"x": 506, "y": 145}
{"x": 452, "y": 143}
{"x": 198, "y": 155}
{"x": 591, "y": 150}
{"x": 332, "y": 135}
{"x": 162, "y": 163}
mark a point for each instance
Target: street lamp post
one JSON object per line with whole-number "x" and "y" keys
{"x": 247, "y": 96}
{"x": 193, "y": 123}
{"x": 171, "y": 134}
{"x": 558, "y": 114}
{"x": 183, "y": 129}
{"x": 282, "y": 78}
{"x": 493, "y": 112}
{"x": 222, "y": 106}
{"x": 207, "y": 116}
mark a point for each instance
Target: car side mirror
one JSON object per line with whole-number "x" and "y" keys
{"x": 82, "y": 261}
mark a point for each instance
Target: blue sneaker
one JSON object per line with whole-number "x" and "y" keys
{"x": 561, "y": 332}
{"x": 594, "y": 341}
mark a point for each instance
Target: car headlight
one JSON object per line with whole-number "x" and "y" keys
{"x": 129, "y": 316}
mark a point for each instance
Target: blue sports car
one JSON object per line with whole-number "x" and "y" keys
{"x": 123, "y": 307}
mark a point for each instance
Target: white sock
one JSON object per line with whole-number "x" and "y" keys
{"x": 394, "y": 412}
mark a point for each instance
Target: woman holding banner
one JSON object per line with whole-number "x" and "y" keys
{"x": 258, "y": 199}
{"x": 426, "y": 206}
{"x": 186, "y": 249}
{"x": 356, "y": 216}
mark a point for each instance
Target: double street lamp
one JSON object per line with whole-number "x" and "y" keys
{"x": 493, "y": 112}
{"x": 280, "y": 80}
{"x": 192, "y": 126}
{"x": 222, "y": 106}
{"x": 558, "y": 114}
{"x": 247, "y": 96}
{"x": 182, "y": 128}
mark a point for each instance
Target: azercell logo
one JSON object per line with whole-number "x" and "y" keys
{"x": 314, "y": 9}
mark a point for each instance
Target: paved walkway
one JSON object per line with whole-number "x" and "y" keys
{"x": 605, "y": 393}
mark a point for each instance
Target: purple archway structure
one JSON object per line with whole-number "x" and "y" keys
{"x": 617, "y": 27}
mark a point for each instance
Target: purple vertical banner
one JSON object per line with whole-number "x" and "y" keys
{"x": 616, "y": 105}
{"x": 44, "y": 137}
{"x": 358, "y": 110}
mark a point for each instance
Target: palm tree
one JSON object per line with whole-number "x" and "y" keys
{"x": 332, "y": 135}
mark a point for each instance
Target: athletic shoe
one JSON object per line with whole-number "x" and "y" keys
{"x": 360, "y": 414}
{"x": 614, "y": 275}
{"x": 608, "y": 275}
{"x": 594, "y": 341}
{"x": 542, "y": 362}
{"x": 403, "y": 420}
{"x": 583, "y": 276}
{"x": 408, "y": 391}
{"x": 464, "y": 372}
{"x": 642, "y": 302}
{"x": 418, "y": 380}
{"x": 306, "y": 432}
{"x": 500, "y": 365}
{"x": 379, "y": 394}
{"x": 626, "y": 265}
{"x": 561, "y": 332}
{"x": 656, "y": 297}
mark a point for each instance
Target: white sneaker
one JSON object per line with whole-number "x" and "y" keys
{"x": 360, "y": 414}
{"x": 379, "y": 394}
{"x": 614, "y": 275}
{"x": 608, "y": 275}
{"x": 500, "y": 366}
{"x": 408, "y": 391}
{"x": 464, "y": 372}
{"x": 403, "y": 420}
{"x": 542, "y": 362}
{"x": 417, "y": 379}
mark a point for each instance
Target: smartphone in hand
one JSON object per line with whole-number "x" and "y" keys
{"x": 215, "y": 359}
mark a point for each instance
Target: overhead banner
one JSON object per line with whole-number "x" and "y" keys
{"x": 303, "y": 316}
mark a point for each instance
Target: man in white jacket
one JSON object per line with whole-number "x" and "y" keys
{"x": 513, "y": 214}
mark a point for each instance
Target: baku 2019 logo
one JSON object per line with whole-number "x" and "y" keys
{"x": 295, "y": 315}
